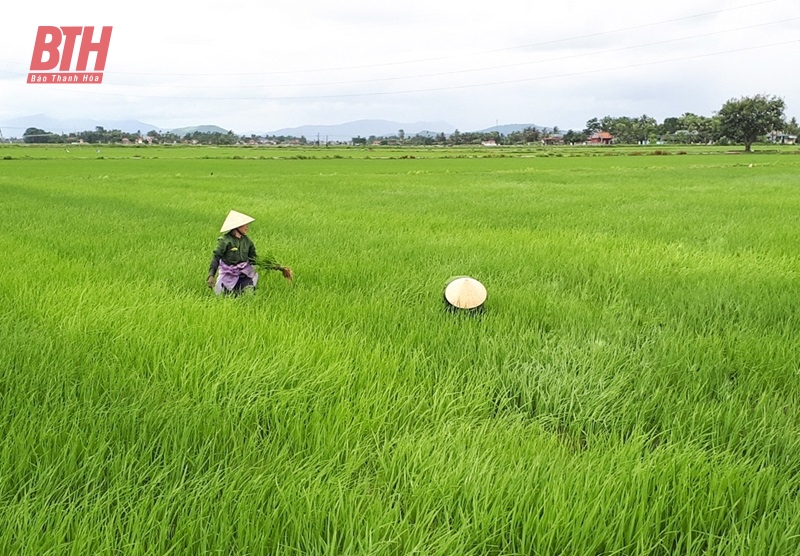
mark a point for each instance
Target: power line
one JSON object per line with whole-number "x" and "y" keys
{"x": 457, "y": 72}
{"x": 448, "y": 87}
{"x": 505, "y": 49}
{"x": 435, "y": 59}
{"x": 470, "y": 70}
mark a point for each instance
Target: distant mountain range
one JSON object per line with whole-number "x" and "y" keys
{"x": 383, "y": 128}
{"x": 362, "y": 128}
{"x": 181, "y": 131}
{"x": 17, "y": 126}
{"x": 511, "y": 128}
{"x": 339, "y": 132}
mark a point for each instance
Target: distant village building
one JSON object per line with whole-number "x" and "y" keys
{"x": 781, "y": 138}
{"x": 489, "y": 143}
{"x": 600, "y": 138}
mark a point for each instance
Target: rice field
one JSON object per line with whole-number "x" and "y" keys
{"x": 633, "y": 386}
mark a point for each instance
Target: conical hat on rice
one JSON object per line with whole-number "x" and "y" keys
{"x": 235, "y": 220}
{"x": 465, "y": 293}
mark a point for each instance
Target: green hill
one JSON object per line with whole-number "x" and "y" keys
{"x": 199, "y": 128}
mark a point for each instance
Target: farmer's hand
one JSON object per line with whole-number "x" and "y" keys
{"x": 210, "y": 281}
{"x": 287, "y": 273}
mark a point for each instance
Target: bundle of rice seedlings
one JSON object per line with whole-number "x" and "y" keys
{"x": 270, "y": 262}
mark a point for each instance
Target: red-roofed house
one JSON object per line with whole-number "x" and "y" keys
{"x": 600, "y": 138}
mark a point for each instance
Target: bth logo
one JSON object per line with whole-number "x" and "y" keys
{"x": 47, "y": 56}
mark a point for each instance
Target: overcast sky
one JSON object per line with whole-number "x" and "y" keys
{"x": 253, "y": 65}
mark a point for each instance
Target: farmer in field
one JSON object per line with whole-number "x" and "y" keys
{"x": 236, "y": 260}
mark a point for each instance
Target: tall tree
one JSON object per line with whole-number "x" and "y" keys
{"x": 744, "y": 119}
{"x": 592, "y": 126}
{"x": 572, "y": 136}
{"x": 531, "y": 135}
{"x": 792, "y": 127}
{"x": 36, "y": 135}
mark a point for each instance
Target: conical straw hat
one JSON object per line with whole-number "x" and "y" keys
{"x": 235, "y": 220}
{"x": 465, "y": 293}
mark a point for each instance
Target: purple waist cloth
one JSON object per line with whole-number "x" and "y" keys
{"x": 229, "y": 275}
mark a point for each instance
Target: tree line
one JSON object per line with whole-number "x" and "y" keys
{"x": 101, "y": 135}
{"x": 741, "y": 121}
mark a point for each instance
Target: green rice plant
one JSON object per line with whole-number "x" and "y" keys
{"x": 631, "y": 388}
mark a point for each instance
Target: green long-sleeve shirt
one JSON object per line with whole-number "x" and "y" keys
{"x": 232, "y": 250}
